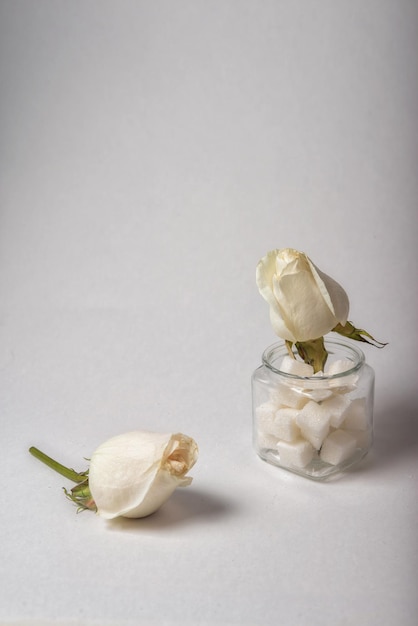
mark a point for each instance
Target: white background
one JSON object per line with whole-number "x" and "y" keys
{"x": 151, "y": 153}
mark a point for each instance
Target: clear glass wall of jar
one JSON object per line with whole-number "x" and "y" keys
{"x": 315, "y": 425}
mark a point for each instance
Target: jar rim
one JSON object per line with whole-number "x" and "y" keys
{"x": 280, "y": 345}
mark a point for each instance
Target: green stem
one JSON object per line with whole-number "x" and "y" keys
{"x": 57, "y": 467}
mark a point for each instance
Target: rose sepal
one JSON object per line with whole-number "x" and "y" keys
{"x": 313, "y": 353}
{"x": 80, "y": 494}
{"x": 358, "y": 334}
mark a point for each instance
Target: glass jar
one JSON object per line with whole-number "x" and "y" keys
{"x": 315, "y": 425}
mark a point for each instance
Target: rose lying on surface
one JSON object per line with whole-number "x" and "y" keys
{"x": 130, "y": 475}
{"x": 304, "y": 303}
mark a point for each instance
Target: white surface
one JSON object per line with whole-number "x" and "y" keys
{"x": 151, "y": 153}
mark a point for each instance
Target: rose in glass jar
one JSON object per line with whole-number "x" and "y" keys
{"x": 304, "y": 302}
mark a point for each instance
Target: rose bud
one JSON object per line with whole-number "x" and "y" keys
{"x": 132, "y": 475}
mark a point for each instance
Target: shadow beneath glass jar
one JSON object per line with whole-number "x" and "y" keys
{"x": 185, "y": 507}
{"x": 395, "y": 431}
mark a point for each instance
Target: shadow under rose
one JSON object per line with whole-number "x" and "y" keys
{"x": 185, "y": 506}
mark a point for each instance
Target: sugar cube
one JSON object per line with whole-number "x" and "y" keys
{"x": 314, "y": 423}
{"x": 339, "y": 366}
{"x": 363, "y": 437}
{"x": 298, "y": 453}
{"x": 295, "y": 367}
{"x": 264, "y": 440}
{"x": 284, "y": 425}
{"x": 356, "y": 417}
{"x": 265, "y": 413}
{"x": 338, "y": 447}
{"x": 288, "y": 396}
{"x": 337, "y": 407}
{"x": 342, "y": 384}
{"x": 318, "y": 394}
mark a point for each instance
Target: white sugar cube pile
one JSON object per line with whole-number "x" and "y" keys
{"x": 301, "y": 421}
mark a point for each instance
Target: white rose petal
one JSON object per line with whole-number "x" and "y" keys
{"x": 133, "y": 474}
{"x": 304, "y": 302}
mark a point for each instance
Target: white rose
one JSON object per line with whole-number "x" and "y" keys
{"x": 132, "y": 475}
{"x": 304, "y": 302}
